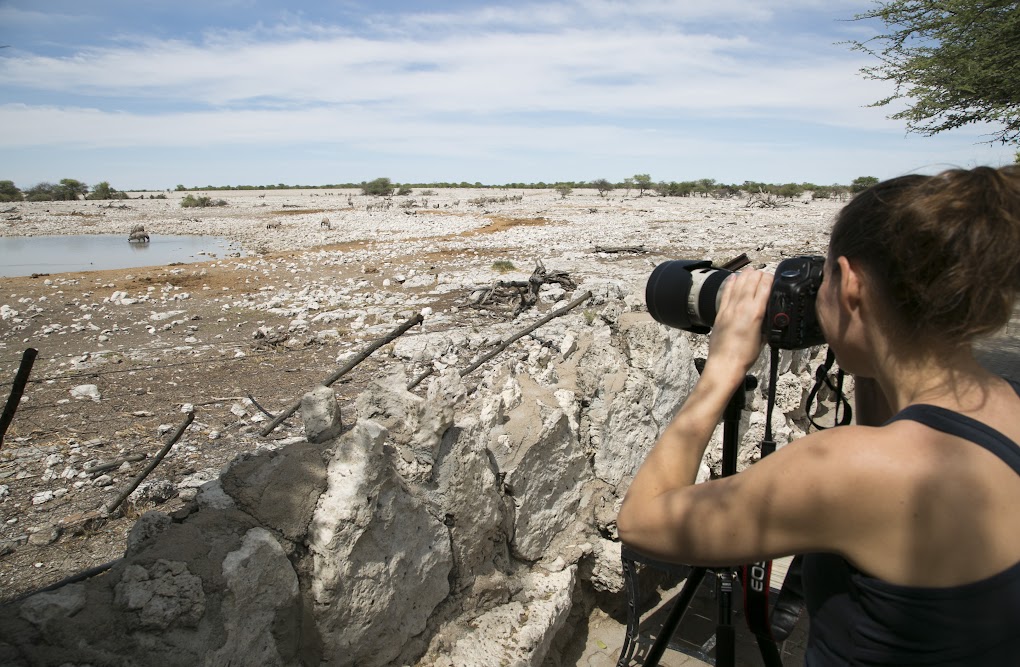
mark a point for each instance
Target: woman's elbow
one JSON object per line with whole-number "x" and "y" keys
{"x": 627, "y": 527}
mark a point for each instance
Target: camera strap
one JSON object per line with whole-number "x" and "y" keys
{"x": 771, "y": 628}
{"x": 822, "y": 377}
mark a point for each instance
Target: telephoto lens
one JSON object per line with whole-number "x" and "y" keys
{"x": 685, "y": 294}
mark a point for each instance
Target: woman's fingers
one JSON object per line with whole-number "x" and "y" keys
{"x": 747, "y": 291}
{"x": 737, "y": 335}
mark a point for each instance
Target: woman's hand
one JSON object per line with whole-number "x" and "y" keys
{"x": 736, "y": 340}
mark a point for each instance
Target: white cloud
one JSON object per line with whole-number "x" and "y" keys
{"x": 491, "y": 83}
{"x": 583, "y": 71}
{"x": 15, "y": 16}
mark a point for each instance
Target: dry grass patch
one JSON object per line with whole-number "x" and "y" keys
{"x": 500, "y": 223}
{"x": 298, "y": 211}
{"x": 434, "y": 211}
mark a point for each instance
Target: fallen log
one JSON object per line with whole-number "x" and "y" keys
{"x": 621, "y": 249}
{"x": 348, "y": 367}
{"x": 103, "y": 467}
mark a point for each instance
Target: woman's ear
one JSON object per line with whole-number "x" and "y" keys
{"x": 850, "y": 285}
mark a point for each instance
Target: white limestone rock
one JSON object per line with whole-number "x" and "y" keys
{"x": 546, "y": 482}
{"x": 380, "y": 559}
{"x": 468, "y": 493}
{"x": 606, "y": 568}
{"x": 261, "y": 603}
{"x": 86, "y": 391}
{"x": 423, "y": 348}
{"x": 49, "y": 609}
{"x": 163, "y": 595}
{"x": 320, "y": 413}
{"x": 638, "y": 396}
{"x": 516, "y": 634}
{"x": 416, "y": 424}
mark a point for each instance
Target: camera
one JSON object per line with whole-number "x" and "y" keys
{"x": 685, "y": 294}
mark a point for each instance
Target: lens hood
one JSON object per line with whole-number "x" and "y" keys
{"x": 668, "y": 294}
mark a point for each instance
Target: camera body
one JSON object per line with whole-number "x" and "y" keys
{"x": 685, "y": 294}
{"x": 791, "y": 322}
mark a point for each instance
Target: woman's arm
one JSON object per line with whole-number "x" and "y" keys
{"x": 783, "y": 504}
{"x": 674, "y": 460}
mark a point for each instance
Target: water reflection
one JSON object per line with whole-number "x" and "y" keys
{"x": 23, "y": 256}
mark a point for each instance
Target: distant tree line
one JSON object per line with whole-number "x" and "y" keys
{"x": 708, "y": 187}
{"x": 641, "y": 183}
{"x": 68, "y": 189}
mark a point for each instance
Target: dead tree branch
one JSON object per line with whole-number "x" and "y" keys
{"x": 103, "y": 467}
{"x": 505, "y": 344}
{"x": 348, "y": 367}
{"x": 528, "y": 289}
{"x": 17, "y": 389}
{"x": 763, "y": 199}
{"x": 115, "y": 503}
{"x": 261, "y": 409}
{"x": 73, "y": 579}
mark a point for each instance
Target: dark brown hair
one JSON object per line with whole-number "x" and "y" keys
{"x": 943, "y": 251}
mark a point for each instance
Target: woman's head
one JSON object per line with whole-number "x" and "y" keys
{"x": 942, "y": 252}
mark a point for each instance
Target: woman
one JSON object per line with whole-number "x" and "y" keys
{"x": 910, "y": 523}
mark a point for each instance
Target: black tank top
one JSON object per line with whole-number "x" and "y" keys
{"x": 860, "y": 620}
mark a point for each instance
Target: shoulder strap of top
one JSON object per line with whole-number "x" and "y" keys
{"x": 965, "y": 427}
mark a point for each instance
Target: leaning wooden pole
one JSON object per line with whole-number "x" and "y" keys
{"x": 115, "y": 503}
{"x": 348, "y": 367}
{"x": 17, "y": 390}
{"x": 505, "y": 344}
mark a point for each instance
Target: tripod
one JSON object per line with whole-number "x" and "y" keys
{"x": 725, "y": 634}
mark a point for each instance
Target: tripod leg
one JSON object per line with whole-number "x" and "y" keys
{"x": 676, "y": 614}
{"x": 725, "y": 634}
{"x": 725, "y": 647}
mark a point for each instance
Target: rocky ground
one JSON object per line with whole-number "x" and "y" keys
{"x": 123, "y": 355}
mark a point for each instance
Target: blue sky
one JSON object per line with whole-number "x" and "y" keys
{"x": 147, "y": 94}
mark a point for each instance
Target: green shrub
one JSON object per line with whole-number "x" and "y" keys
{"x": 789, "y": 190}
{"x": 10, "y": 192}
{"x": 380, "y": 186}
{"x": 603, "y": 186}
{"x": 104, "y": 191}
{"x": 503, "y": 265}
{"x": 674, "y": 189}
{"x": 404, "y": 190}
{"x": 862, "y": 183}
{"x": 191, "y": 201}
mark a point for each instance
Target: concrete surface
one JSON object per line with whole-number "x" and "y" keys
{"x": 692, "y": 643}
